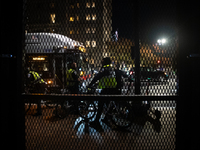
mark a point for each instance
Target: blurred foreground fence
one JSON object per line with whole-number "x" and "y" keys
{"x": 141, "y": 44}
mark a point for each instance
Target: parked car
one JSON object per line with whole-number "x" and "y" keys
{"x": 150, "y": 74}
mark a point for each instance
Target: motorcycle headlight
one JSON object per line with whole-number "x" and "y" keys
{"x": 166, "y": 74}
{"x": 49, "y": 82}
{"x": 81, "y": 73}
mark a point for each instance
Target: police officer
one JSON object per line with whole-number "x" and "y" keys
{"x": 73, "y": 79}
{"x": 109, "y": 82}
{"x": 35, "y": 84}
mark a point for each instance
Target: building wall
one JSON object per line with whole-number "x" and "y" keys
{"x": 87, "y": 21}
{"x": 151, "y": 55}
{"x": 120, "y": 52}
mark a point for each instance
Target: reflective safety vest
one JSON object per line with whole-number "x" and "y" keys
{"x": 108, "y": 81}
{"x": 70, "y": 80}
{"x": 37, "y": 78}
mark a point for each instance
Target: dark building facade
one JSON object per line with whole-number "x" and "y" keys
{"x": 86, "y": 21}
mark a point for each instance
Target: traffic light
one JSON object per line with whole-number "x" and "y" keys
{"x": 158, "y": 61}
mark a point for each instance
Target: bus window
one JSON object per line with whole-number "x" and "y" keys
{"x": 41, "y": 64}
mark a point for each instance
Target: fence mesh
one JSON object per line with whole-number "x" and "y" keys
{"x": 78, "y": 53}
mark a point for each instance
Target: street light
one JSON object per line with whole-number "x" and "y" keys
{"x": 161, "y": 41}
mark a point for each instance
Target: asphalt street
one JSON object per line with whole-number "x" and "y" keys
{"x": 72, "y": 133}
{"x": 166, "y": 88}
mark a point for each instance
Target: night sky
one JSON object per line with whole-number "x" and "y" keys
{"x": 157, "y": 19}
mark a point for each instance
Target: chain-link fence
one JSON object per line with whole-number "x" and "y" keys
{"x": 100, "y": 74}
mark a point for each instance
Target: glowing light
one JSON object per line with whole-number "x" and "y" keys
{"x": 82, "y": 49}
{"x": 38, "y": 58}
{"x": 49, "y": 82}
{"x": 163, "y": 41}
{"x": 81, "y": 73}
{"x": 53, "y": 16}
{"x": 71, "y": 19}
{"x": 159, "y": 41}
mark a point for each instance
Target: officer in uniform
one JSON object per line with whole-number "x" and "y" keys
{"x": 109, "y": 81}
{"x": 35, "y": 84}
{"x": 73, "y": 79}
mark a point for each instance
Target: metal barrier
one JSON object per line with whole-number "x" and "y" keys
{"x": 69, "y": 41}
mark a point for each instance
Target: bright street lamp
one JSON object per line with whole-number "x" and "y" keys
{"x": 161, "y": 41}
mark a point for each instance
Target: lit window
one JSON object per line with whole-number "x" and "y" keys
{"x": 93, "y": 4}
{"x": 90, "y": 30}
{"x": 71, "y": 19}
{"x": 87, "y": 43}
{"x": 71, "y": 32}
{"x": 77, "y": 32}
{"x": 77, "y": 18}
{"x": 78, "y": 5}
{"x": 53, "y": 17}
{"x": 93, "y": 30}
{"x": 93, "y": 43}
{"x": 94, "y": 17}
{"x": 87, "y": 30}
{"x": 88, "y": 17}
{"x": 87, "y": 5}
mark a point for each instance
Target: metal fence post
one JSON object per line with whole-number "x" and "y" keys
{"x": 136, "y": 49}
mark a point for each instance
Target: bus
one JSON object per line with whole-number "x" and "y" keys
{"x": 49, "y": 55}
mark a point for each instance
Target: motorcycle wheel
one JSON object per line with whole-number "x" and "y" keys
{"x": 122, "y": 115}
{"x": 87, "y": 109}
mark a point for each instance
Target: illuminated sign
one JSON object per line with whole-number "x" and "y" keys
{"x": 38, "y": 58}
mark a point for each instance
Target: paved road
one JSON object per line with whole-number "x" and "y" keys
{"x": 168, "y": 88}
{"x": 72, "y": 133}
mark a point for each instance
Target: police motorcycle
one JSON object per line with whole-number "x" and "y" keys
{"x": 30, "y": 89}
{"x": 124, "y": 113}
{"x": 143, "y": 109}
{"x": 119, "y": 112}
{"x": 85, "y": 108}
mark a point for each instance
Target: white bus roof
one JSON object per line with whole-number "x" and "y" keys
{"x": 46, "y": 42}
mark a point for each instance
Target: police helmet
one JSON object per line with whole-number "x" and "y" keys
{"x": 106, "y": 61}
